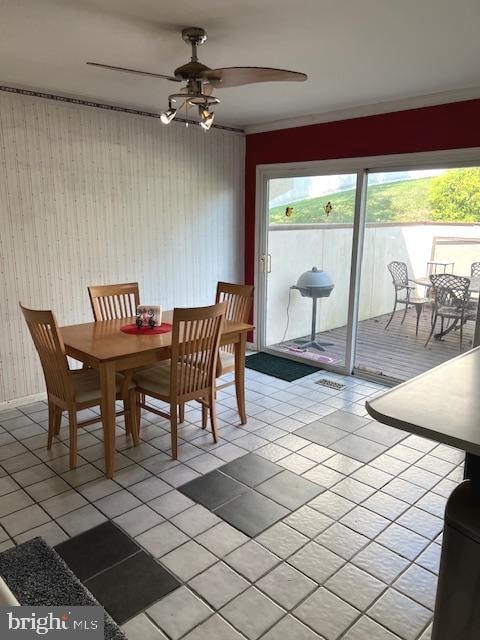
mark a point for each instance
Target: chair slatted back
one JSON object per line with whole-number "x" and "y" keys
{"x": 195, "y": 342}
{"x": 399, "y": 273}
{"x": 239, "y": 298}
{"x": 450, "y": 290}
{"x": 112, "y": 301}
{"x": 475, "y": 269}
{"x": 51, "y": 350}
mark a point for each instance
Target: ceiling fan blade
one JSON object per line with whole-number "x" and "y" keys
{"x": 142, "y": 73}
{"x": 236, "y": 76}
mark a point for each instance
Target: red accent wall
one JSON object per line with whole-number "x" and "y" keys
{"x": 447, "y": 126}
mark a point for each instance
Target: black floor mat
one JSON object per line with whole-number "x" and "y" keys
{"x": 282, "y": 368}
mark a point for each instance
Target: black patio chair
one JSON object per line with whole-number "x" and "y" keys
{"x": 451, "y": 302}
{"x": 475, "y": 270}
{"x": 403, "y": 292}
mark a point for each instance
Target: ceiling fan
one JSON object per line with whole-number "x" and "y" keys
{"x": 201, "y": 80}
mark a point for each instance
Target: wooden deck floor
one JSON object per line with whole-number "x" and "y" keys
{"x": 395, "y": 352}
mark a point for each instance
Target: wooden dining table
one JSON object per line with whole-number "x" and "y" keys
{"x": 103, "y": 346}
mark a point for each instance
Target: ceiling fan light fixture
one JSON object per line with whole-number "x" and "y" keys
{"x": 201, "y": 80}
{"x": 167, "y": 116}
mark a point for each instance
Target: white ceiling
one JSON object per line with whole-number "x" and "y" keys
{"x": 355, "y": 52}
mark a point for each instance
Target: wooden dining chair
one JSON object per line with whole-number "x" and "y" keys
{"x": 191, "y": 371}
{"x": 69, "y": 390}
{"x": 239, "y": 299}
{"x": 112, "y": 301}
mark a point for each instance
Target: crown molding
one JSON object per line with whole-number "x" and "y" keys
{"x": 274, "y": 125}
{"x": 36, "y": 93}
{"x": 445, "y": 97}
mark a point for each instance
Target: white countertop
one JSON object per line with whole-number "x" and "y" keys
{"x": 442, "y": 404}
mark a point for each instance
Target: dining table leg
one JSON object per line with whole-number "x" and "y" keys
{"x": 240, "y": 346}
{"x": 108, "y": 388}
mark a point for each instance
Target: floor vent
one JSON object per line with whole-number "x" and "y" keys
{"x": 325, "y": 382}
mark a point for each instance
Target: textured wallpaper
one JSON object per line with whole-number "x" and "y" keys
{"x": 96, "y": 197}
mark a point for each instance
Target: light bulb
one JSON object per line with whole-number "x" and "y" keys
{"x": 207, "y": 119}
{"x": 167, "y": 116}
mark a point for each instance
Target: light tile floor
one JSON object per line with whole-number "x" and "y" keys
{"x": 358, "y": 562}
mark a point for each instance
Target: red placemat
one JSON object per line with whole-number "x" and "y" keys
{"x": 146, "y": 331}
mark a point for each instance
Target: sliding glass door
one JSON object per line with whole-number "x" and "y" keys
{"x": 307, "y": 266}
{"x": 418, "y": 223}
{"x": 346, "y": 255}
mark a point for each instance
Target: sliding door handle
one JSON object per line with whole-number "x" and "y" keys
{"x": 266, "y": 262}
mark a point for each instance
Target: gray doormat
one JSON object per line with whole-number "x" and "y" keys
{"x": 37, "y": 576}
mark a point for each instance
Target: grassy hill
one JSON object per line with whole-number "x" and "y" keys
{"x": 405, "y": 201}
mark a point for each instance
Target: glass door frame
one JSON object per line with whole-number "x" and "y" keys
{"x": 456, "y": 158}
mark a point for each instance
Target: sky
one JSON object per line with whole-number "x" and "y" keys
{"x": 285, "y": 190}
{"x": 328, "y": 184}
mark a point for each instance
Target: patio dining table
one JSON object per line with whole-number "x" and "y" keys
{"x": 425, "y": 281}
{"x": 103, "y": 346}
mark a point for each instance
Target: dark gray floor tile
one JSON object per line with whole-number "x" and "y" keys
{"x": 251, "y": 469}
{"x": 251, "y": 513}
{"x": 131, "y": 586}
{"x": 290, "y": 490}
{"x": 96, "y": 550}
{"x": 213, "y": 489}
